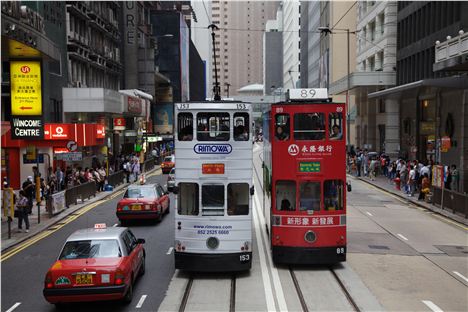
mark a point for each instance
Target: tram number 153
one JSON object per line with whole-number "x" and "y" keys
{"x": 244, "y": 258}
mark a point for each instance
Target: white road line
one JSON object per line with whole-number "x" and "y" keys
{"x": 263, "y": 265}
{"x": 169, "y": 251}
{"x": 432, "y": 306}
{"x": 370, "y": 214}
{"x": 460, "y": 275}
{"x": 13, "y": 307}
{"x": 402, "y": 237}
{"x": 274, "y": 272}
{"x": 140, "y": 302}
{"x": 115, "y": 225}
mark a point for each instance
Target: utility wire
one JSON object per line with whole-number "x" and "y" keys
{"x": 206, "y": 11}
{"x": 344, "y": 15}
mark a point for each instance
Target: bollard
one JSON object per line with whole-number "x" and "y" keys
{"x": 397, "y": 183}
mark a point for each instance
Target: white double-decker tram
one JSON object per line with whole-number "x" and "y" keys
{"x": 214, "y": 188}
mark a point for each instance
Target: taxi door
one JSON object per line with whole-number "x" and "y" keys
{"x": 135, "y": 253}
{"x": 163, "y": 198}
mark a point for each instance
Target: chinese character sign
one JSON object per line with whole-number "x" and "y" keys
{"x": 26, "y": 95}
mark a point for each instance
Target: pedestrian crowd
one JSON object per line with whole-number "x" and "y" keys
{"x": 413, "y": 176}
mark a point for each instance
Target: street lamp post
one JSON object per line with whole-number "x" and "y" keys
{"x": 327, "y": 30}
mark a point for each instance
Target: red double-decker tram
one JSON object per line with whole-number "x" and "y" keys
{"x": 305, "y": 178}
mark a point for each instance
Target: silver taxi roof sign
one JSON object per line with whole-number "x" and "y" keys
{"x": 307, "y": 94}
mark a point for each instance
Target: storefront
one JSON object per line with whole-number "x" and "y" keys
{"x": 63, "y": 145}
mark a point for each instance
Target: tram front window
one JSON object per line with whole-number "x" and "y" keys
{"x": 185, "y": 126}
{"x": 309, "y": 126}
{"x": 241, "y": 126}
{"x": 187, "y": 199}
{"x": 333, "y": 194}
{"x": 335, "y": 126}
{"x": 238, "y": 199}
{"x": 213, "y": 126}
{"x": 285, "y": 195}
{"x": 213, "y": 195}
{"x": 309, "y": 196}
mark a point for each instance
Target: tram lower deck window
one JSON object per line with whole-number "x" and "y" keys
{"x": 333, "y": 194}
{"x": 309, "y": 196}
{"x": 285, "y": 195}
{"x": 238, "y": 199}
{"x": 187, "y": 200}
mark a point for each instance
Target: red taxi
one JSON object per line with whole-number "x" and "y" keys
{"x": 143, "y": 202}
{"x": 168, "y": 163}
{"x": 96, "y": 264}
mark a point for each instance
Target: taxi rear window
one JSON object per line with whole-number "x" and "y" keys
{"x": 168, "y": 159}
{"x": 140, "y": 192}
{"x": 108, "y": 248}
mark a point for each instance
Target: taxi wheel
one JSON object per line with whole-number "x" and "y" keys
{"x": 168, "y": 207}
{"x": 129, "y": 295}
{"x": 123, "y": 222}
{"x": 159, "y": 219}
{"x": 60, "y": 307}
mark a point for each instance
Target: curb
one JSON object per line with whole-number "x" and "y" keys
{"x": 60, "y": 217}
{"x": 432, "y": 208}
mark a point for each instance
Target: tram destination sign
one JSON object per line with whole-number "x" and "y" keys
{"x": 311, "y": 166}
{"x": 27, "y": 128}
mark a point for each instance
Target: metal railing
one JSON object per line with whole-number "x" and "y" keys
{"x": 455, "y": 201}
{"x": 148, "y": 165}
{"x": 116, "y": 178}
{"x": 82, "y": 191}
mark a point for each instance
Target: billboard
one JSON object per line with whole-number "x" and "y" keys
{"x": 26, "y": 92}
{"x": 184, "y": 60}
{"x": 163, "y": 118}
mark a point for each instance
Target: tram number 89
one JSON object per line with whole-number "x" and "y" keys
{"x": 340, "y": 250}
{"x": 244, "y": 258}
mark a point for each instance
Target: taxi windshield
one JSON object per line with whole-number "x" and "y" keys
{"x": 140, "y": 192}
{"x": 84, "y": 249}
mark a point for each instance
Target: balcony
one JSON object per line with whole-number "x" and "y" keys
{"x": 452, "y": 54}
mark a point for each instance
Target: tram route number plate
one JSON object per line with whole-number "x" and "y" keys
{"x": 244, "y": 258}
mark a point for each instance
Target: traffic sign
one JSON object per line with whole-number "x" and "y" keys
{"x": 72, "y": 146}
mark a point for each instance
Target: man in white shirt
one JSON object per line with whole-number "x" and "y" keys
{"x": 412, "y": 180}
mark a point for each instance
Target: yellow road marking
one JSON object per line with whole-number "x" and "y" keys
{"x": 48, "y": 232}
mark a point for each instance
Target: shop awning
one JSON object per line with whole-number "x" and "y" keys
{"x": 459, "y": 82}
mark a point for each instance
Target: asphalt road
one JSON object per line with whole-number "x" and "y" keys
{"x": 23, "y": 274}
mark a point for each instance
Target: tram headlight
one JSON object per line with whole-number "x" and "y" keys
{"x": 212, "y": 242}
{"x": 310, "y": 237}
{"x": 246, "y": 246}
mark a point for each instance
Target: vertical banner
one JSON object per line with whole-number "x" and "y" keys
{"x": 26, "y": 92}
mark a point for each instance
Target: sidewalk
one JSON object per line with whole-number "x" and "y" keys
{"x": 385, "y": 184}
{"x": 47, "y": 221}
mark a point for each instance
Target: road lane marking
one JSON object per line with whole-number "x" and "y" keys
{"x": 460, "y": 275}
{"x": 169, "y": 251}
{"x": 57, "y": 227}
{"x": 263, "y": 265}
{"x": 402, "y": 237}
{"x": 13, "y": 307}
{"x": 115, "y": 225}
{"x": 370, "y": 214}
{"x": 274, "y": 272}
{"x": 432, "y": 306}
{"x": 140, "y": 302}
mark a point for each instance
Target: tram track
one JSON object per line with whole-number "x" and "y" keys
{"x": 191, "y": 283}
{"x": 308, "y": 303}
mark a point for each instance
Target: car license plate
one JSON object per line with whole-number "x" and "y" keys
{"x": 136, "y": 207}
{"x": 84, "y": 279}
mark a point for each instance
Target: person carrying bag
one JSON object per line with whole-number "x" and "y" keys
{"x": 22, "y": 212}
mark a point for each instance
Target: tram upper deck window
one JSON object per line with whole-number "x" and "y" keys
{"x": 185, "y": 126}
{"x": 238, "y": 199}
{"x": 187, "y": 200}
{"x": 335, "y": 126}
{"x": 213, "y": 126}
{"x": 333, "y": 194}
{"x": 309, "y": 196}
{"x": 309, "y": 126}
{"x": 241, "y": 127}
{"x": 213, "y": 200}
{"x": 286, "y": 195}
{"x": 282, "y": 127}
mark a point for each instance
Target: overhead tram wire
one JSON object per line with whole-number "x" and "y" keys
{"x": 346, "y": 13}
{"x": 206, "y": 11}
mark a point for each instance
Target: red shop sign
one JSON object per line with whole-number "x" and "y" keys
{"x": 119, "y": 122}
{"x": 57, "y": 132}
{"x": 100, "y": 131}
